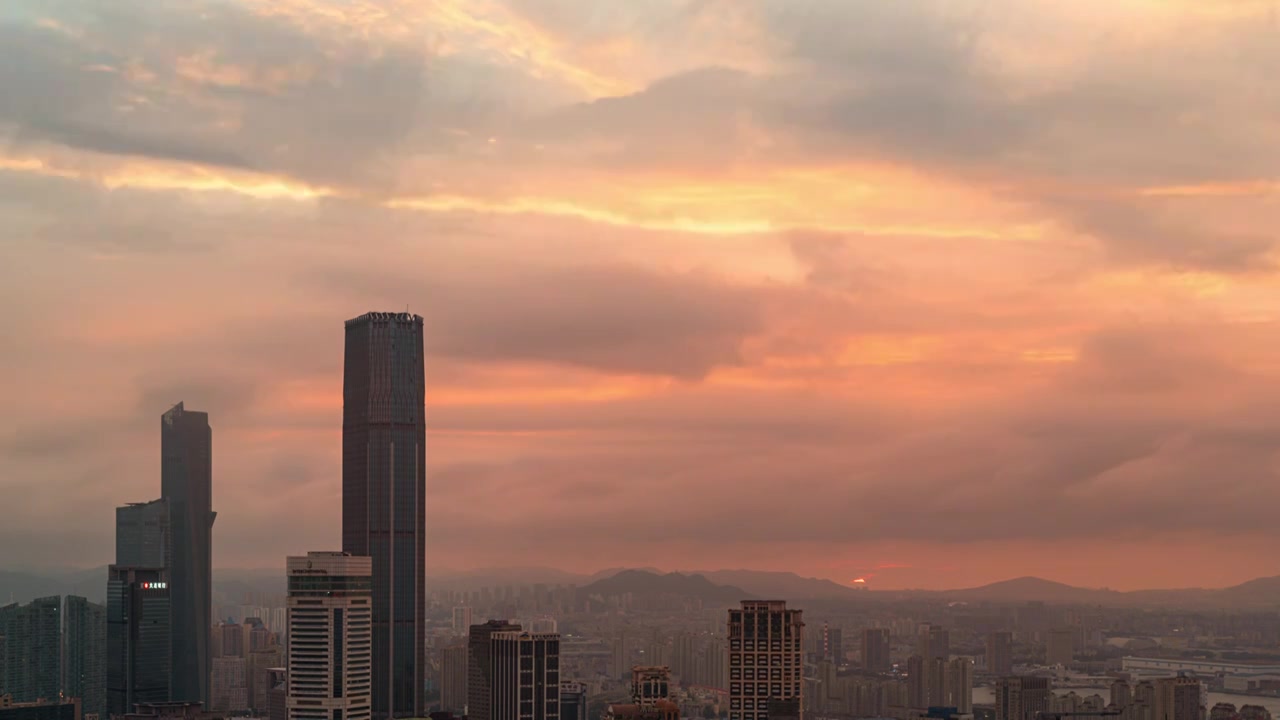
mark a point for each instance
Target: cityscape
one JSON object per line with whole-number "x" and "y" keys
{"x": 639, "y": 360}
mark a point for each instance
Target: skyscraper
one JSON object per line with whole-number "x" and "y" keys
{"x": 33, "y": 644}
{"x": 330, "y": 640}
{"x": 1060, "y": 647}
{"x": 143, "y": 538}
{"x": 84, "y": 650}
{"x": 453, "y": 679}
{"x": 933, "y": 642}
{"x": 186, "y": 482}
{"x": 1020, "y": 698}
{"x": 384, "y": 496}
{"x": 1000, "y": 653}
{"x": 480, "y": 668}
{"x": 960, "y": 685}
{"x": 139, "y": 642}
{"x": 875, "y": 650}
{"x": 523, "y": 678}
{"x": 766, "y": 658}
{"x": 1178, "y": 698}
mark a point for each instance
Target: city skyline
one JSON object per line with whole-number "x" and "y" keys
{"x": 950, "y": 292}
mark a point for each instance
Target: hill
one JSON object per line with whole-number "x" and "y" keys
{"x": 780, "y": 584}
{"x": 1026, "y": 589}
{"x": 647, "y": 584}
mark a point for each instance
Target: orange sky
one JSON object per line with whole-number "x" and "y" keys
{"x": 928, "y": 293}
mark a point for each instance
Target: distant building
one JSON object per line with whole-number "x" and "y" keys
{"x": 760, "y": 633}
{"x": 1060, "y": 647}
{"x": 230, "y": 640}
{"x": 1178, "y": 698}
{"x": 1168, "y": 666}
{"x": 278, "y": 694}
{"x": 139, "y": 646}
{"x": 1000, "y": 653}
{"x": 875, "y": 650}
{"x": 330, "y": 636}
{"x": 84, "y": 652}
{"x": 186, "y": 483}
{"x": 229, "y": 685}
{"x": 649, "y": 684}
{"x": 515, "y": 675}
{"x": 933, "y": 641}
{"x": 260, "y": 663}
{"x": 33, "y": 645}
{"x": 1254, "y": 712}
{"x": 1020, "y": 698}
{"x": 1224, "y": 711}
{"x": 1121, "y": 694}
{"x": 833, "y": 644}
{"x": 462, "y": 620}
{"x": 453, "y": 679}
{"x": 573, "y": 701}
{"x": 959, "y": 692}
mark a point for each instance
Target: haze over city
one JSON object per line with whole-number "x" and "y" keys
{"x": 927, "y": 294}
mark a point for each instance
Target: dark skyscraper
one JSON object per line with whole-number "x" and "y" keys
{"x": 142, "y": 535}
{"x": 875, "y": 650}
{"x": 384, "y": 496}
{"x": 186, "y": 483}
{"x": 139, "y": 642}
{"x": 84, "y": 651}
{"x": 480, "y": 673}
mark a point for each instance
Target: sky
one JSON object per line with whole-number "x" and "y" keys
{"x": 934, "y": 293}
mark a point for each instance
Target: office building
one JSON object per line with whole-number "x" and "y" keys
{"x": 139, "y": 645}
{"x": 713, "y": 665}
{"x": 228, "y": 685}
{"x": 453, "y": 679}
{"x": 766, "y": 658}
{"x": 1178, "y": 698}
{"x": 933, "y": 641}
{"x": 143, "y": 537}
{"x": 84, "y": 654}
{"x": 462, "y": 620}
{"x": 33, "y": 645}
{"x": 384, "y": 496}
{"x": 480, "y": 667}
{"x": 330, "y": 636}
{"x": 649, "y": 684}
{"x": 833, "y": 644}
{"x": 1060, "y": 647}
{"x": 230, "y": 639}
{"x": 1020, "y": 698}
{"x": 959, "y": 685}
{"x": 513, "y": 675}
{"x": 1000, "y": 654}
{"x": 875, "y": 650}
{"x": 54, "y": 709}
{"x": 573, "y": 701}
{"x": 186, "y": 483}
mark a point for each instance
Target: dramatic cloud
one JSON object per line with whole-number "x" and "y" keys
{"x": 929, "y": 293}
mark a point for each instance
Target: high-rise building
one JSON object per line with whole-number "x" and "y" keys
{"x": 453, "y": 679}
{"x": 462, "y": 620}
{"x": 713, "y": 668}
{"x": 917, "y": 682}
{"x": 230, "y": 639}
{"x": 84, "y": 652}
{"x": 139, "y": 642}
{"x": 649, "y": 684}
{"x": 259, "y": 665}
{"x": 1144, "y": 701}
{"x": 278, "y": 694}
{"x": 1178, "y": 698}
{"x": 573, "y": 701}
{"x": 186, "y": 482}
{"x": 1000, "y": 653}
{"x": 384, "y": 496}
{"x": 833, "y": 644}
{"x": 143, "y": 536}
{"x": 1020, "y": 698}
{"x": 33, "y": 644}
{"x": 936, "y": 676}
{"x": 228, "y": 685}
{"x": 520, "y": 677}
{"x": 765, "y": 640}
{"x": 875, "y": 650}
{"x": 933, "y": 641}
{"x": 1121, "y": 694}
{"x": 959, "y": 692}
{"x": 330, "y": 638}
{"x": 684, "y": 657}
{"x": 1060, "y": 647}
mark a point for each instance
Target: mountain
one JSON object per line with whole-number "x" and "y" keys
{"x": 1026, "y": 589}
{"x": 643, "y": 583}
{"x": 781, "y": 585}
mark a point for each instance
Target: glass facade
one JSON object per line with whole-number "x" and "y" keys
{"x": 142, "y": 535}
{"x": 384, "y": 496}
{"x": 139, "y": 638}
{"x": 186, "y": 483}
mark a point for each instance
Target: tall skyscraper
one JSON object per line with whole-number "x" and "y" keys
{"x": 139, "y": 642}
{"x": 875, "y": 650}
{"x": 453, "y": 679}
{"x": 524, "y": 677}
{"x": 186, "y": 482}
{"x": 33, "y": 644}
{"x": 917, "y": 682}
{"x": 480, "y": 668}
{"x": 330, "y": 639}
{"x": 143, "y": 537}
{"x": 766, "y": 658}
{"x": 959, "y": 693}
{"x": 84, "y": 652}
{"x": 1020, "y": 698}
{"x": 1000, "y": 653}
{"x": 384, "y": 496}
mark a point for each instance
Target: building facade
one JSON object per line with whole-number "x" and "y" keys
{"x": 32, "y": 646}
{"x": 453, "y": 679}
{"x": 139, "y": 642}
{"x": 480, "y": 667}
{"x": 384, "y": 496}
{"x": 875, "y": 650}
{"x": 330, "y": 636}
{"x": 1000, "y": 653}
{"x": 1021, "y": 698}
{"x": 766, "y": 658}
{"x": 84, "y": 654}
{"x": 186, "y": 483}
{"x": 573, "y": 701}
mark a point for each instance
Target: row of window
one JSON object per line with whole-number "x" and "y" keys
{"x": 763, "y": 674}
{"x": 771, "y": 689}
